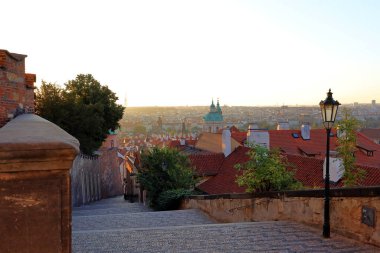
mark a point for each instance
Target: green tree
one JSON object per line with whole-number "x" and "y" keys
{"x": 348, "y": 127}
{"x": 165, "y": 170}
{"x": 84, "y": 108}
{"x": 266, "y": 171}
{"x": 49, "y": 102}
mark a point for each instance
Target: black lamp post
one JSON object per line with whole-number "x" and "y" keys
{"x": 329, "y": 109}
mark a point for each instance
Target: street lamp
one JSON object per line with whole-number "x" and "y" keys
{"x": 329, "y": 109}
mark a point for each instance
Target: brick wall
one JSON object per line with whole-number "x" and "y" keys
{"x": 16, "y": 87}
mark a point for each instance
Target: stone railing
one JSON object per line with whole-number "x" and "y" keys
{"x": 35, "y": 197}
{"x": 354, "y": 212}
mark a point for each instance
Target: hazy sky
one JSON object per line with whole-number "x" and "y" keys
{"x": 187, "y": 52}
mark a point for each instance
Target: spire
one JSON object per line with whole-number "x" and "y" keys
{"x": 212, "y": 106}
{"x": 218, "y": 106}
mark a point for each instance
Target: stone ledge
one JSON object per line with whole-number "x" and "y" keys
{"x": 29, "y": 140}
{"x": 319, "y": 193}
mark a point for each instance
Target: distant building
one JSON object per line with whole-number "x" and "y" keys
{"x": 111, "y": 141}
{"x": 213, "y": 121}
{"x": 16, "y": 87}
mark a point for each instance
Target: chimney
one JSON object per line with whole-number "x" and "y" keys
{"x": 283, "y": 126}
{"x": 258, "y": 137}
{"x": 253, "y": 126}
{"x": 336, "y": 169}
{"x": 226, "y": 142}
{"x": 305, "y": 131}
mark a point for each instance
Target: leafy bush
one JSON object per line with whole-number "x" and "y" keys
{"x": 164, "y": 169}
{"x": 346, "y": 148}
{"x": 266, "y": 171}
{"x": 171, "y": 199}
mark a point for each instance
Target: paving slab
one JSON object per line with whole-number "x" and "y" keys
{"x": 126, "y": 229}
{"x": 139, "y": 220}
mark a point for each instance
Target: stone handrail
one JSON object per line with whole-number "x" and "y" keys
{"x": 35, "y": 197}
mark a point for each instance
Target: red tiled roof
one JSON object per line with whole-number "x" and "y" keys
{"x": 239, "y": 136}
{"x": 372, "y": 176}
{"x": 234, "y": 129}
{"x": 224, "y": 181}
{"x": 309, "y": 171}
{"x": 284, "y": 140}
{"x": 191, "y": 142}
{"x": 206, "y": 164}
{"x": 177, "y": 143}
{"x": 372, "y": 133}
{"x": 174, "y": 144}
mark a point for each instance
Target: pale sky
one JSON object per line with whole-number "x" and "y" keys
{"x": 187, "y": 52}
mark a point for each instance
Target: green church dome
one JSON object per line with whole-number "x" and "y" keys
{"x": 215, "y": 113}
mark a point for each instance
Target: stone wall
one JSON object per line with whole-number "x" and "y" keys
{"x": 16, "y": 87}
{"x": 85, "y": 183}
{"x": 111, "y": 176}
{"x": 346, "y": 208}
{"x": 35, "y": 197}
{"x": 94, "y": 178}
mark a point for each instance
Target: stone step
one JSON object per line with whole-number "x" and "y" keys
{"x": 112, "y": 210}
{"x": 280, "y": 236}
{"x": 108, "y": 206}
{"x": 116, "y": 201}
{"x": 138, "y": 220}
{"x": 105, "y": 206}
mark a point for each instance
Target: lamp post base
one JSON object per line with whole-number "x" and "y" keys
{"x": 326, "y": 230}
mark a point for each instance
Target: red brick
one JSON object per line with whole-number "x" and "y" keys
{"x": 16, "y": 86}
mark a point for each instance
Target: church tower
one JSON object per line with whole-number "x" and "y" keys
{"x": 213, "y": 121}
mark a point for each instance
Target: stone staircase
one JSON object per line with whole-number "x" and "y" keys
{"x": 115, "y": 225}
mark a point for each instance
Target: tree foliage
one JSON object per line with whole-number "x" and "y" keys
{"x": 163, "y": 170}
{"x": 49, "y": 102}
{"x": 84, "y": 108}
{"x": 266, "y": 171}
{"x": 348, "y": 127}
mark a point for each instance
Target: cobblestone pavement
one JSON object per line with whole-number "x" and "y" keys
{"x": 132, "y": 227}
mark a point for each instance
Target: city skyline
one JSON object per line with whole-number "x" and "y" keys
{"x": 178, "y": 53}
